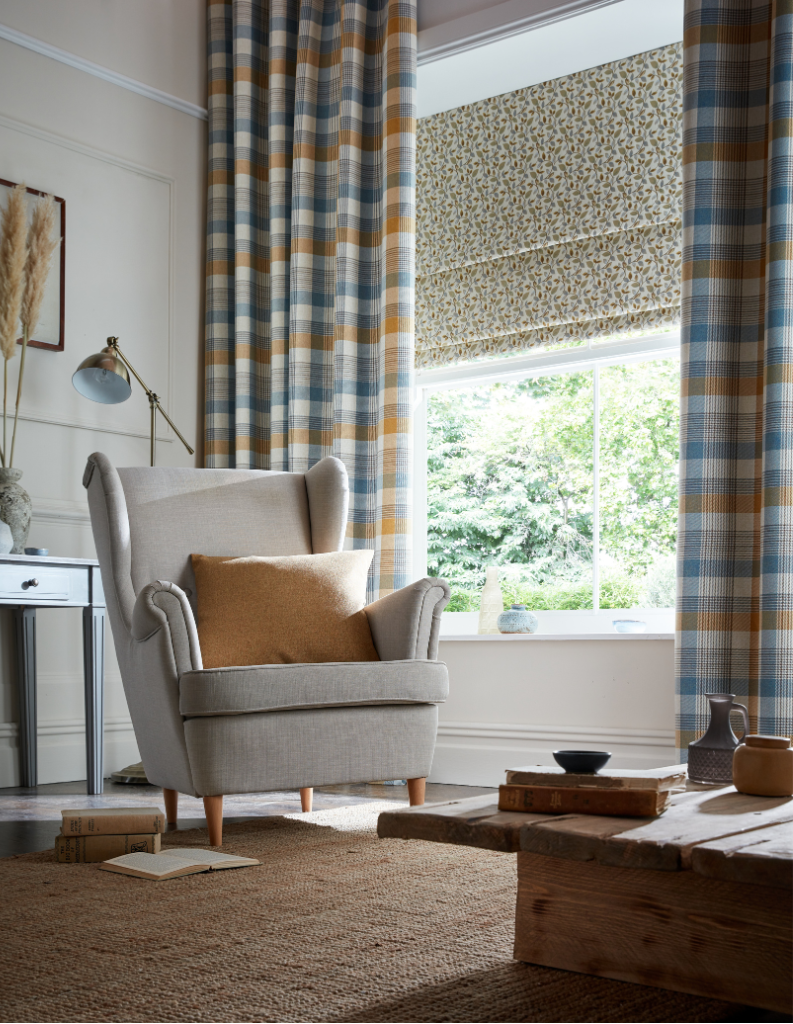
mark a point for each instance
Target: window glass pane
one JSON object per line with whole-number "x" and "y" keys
{"x": 510, "y": 482}
{"x": 639, "y": 440}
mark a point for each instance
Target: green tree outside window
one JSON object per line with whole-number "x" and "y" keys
{"x": 510, "y": 482}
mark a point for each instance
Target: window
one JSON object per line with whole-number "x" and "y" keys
{"x": 561, "y": 468}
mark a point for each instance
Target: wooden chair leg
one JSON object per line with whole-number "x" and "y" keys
{"x": 306, "y": 799}
{"x": 213, "y": 809}
{"x": 171, "y": 798}
{"x": 416, "y": 790}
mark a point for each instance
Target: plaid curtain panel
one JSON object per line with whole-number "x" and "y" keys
{"x": 735, "y": 547}
{"x": 311, "y": 251}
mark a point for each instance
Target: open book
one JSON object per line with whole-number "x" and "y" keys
{"x": 173, "y": 863}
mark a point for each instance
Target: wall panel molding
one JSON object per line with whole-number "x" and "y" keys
{"x": 9, "y": 731}
{"x": 79, "y": 147}
{"x": 99, "y": 71}
{"x": 545, "y": 733}
{"x": 61, "y": 753}
{"x": 54, "y": 509}
{"x": 84, "y": 425}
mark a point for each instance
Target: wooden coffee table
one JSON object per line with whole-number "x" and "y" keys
{"x": 697, "y": 900}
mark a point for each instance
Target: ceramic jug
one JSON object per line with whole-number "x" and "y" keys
{"x": 710, "y": 757}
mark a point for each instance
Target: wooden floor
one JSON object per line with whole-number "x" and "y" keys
{"x": 30, "y": 818}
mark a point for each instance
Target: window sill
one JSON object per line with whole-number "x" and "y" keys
{"x": 512, "y": 637}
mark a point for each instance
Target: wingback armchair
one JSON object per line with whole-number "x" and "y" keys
{"x": 243, "y": 729}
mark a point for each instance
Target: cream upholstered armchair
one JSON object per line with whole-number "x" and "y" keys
{"x": 210, "y": 732}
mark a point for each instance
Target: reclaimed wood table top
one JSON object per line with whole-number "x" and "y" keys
{"x": 718, "y": 833}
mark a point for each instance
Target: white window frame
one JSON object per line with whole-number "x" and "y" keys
{"x": 540, "y": 364}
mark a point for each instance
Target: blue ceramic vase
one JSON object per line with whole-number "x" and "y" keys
{"x": 517, "y": 620}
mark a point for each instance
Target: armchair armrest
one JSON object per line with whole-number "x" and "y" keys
{"x": 164, "y": 606}
{"x": 406, "y": 624}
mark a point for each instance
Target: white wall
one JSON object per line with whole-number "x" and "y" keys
{"x": 132, "y": 172}
{"x": 513, "y": 700}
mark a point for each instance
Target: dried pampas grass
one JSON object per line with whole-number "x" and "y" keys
{"x": 41, "y": 246}
{"x": 13, "y": 254}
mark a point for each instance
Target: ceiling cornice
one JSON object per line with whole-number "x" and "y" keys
{"x": 98, "y": 71}
{"x": 499, "y": 22}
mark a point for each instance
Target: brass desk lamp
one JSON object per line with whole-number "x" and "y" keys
{"x": 104, "y": 378}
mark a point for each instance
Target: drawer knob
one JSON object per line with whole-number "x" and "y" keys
{"x": 30, "y": 583}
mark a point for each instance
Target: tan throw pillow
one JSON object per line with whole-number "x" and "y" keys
{"x": 275, "y": 611}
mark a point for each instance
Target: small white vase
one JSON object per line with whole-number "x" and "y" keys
{"x": 492, "y": 602}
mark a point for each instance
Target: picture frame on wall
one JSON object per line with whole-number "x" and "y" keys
{"x": 50, "y": 333}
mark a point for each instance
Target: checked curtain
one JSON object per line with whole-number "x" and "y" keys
{"x": 735, "y": 549}
{"x": 310, "y": 251}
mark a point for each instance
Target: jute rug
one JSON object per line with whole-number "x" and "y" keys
{"x": 336, "y": 925}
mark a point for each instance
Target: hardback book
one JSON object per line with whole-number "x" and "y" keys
{"x": 550, "y": 799}
{"x": 657, "y": 780}
{"x": 93, "y": 849}
{"x": 103, "y": 821}
{"x": 174, "y": 863}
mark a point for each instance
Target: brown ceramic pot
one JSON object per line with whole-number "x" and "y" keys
{"x": 763, "y": 766}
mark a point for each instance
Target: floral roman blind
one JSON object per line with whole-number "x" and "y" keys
{"x": 551, "y": 214}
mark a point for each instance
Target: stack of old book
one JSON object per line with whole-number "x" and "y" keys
{"x": 542, "y": 789}
{"x": 97, "y": 834}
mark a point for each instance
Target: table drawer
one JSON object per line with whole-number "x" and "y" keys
{"x": 34, "y": 584}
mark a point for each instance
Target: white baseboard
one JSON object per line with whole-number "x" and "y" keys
{"x": 472, "y": 754}
{"x": 61, "y": 750}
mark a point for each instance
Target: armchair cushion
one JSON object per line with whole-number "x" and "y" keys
{"x": 240, "y": 691}
{"x": 285, "y": 610}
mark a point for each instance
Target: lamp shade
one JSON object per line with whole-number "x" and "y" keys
{"x": 103, "y": 378}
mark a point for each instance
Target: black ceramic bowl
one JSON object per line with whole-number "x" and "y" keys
{"x": 579, "y": 762}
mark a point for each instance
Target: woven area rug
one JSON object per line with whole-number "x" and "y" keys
{"x": 335, "y": 925}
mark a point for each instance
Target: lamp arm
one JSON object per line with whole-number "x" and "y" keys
{"x": 113, "y": 343}
{"x": 174, "y": 428}
{"x": 151, "y": 395}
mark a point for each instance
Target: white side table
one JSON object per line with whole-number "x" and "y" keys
{"x": 28, "y": 582}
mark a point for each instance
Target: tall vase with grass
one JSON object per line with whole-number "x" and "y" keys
{"x": 25, "y": 259}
